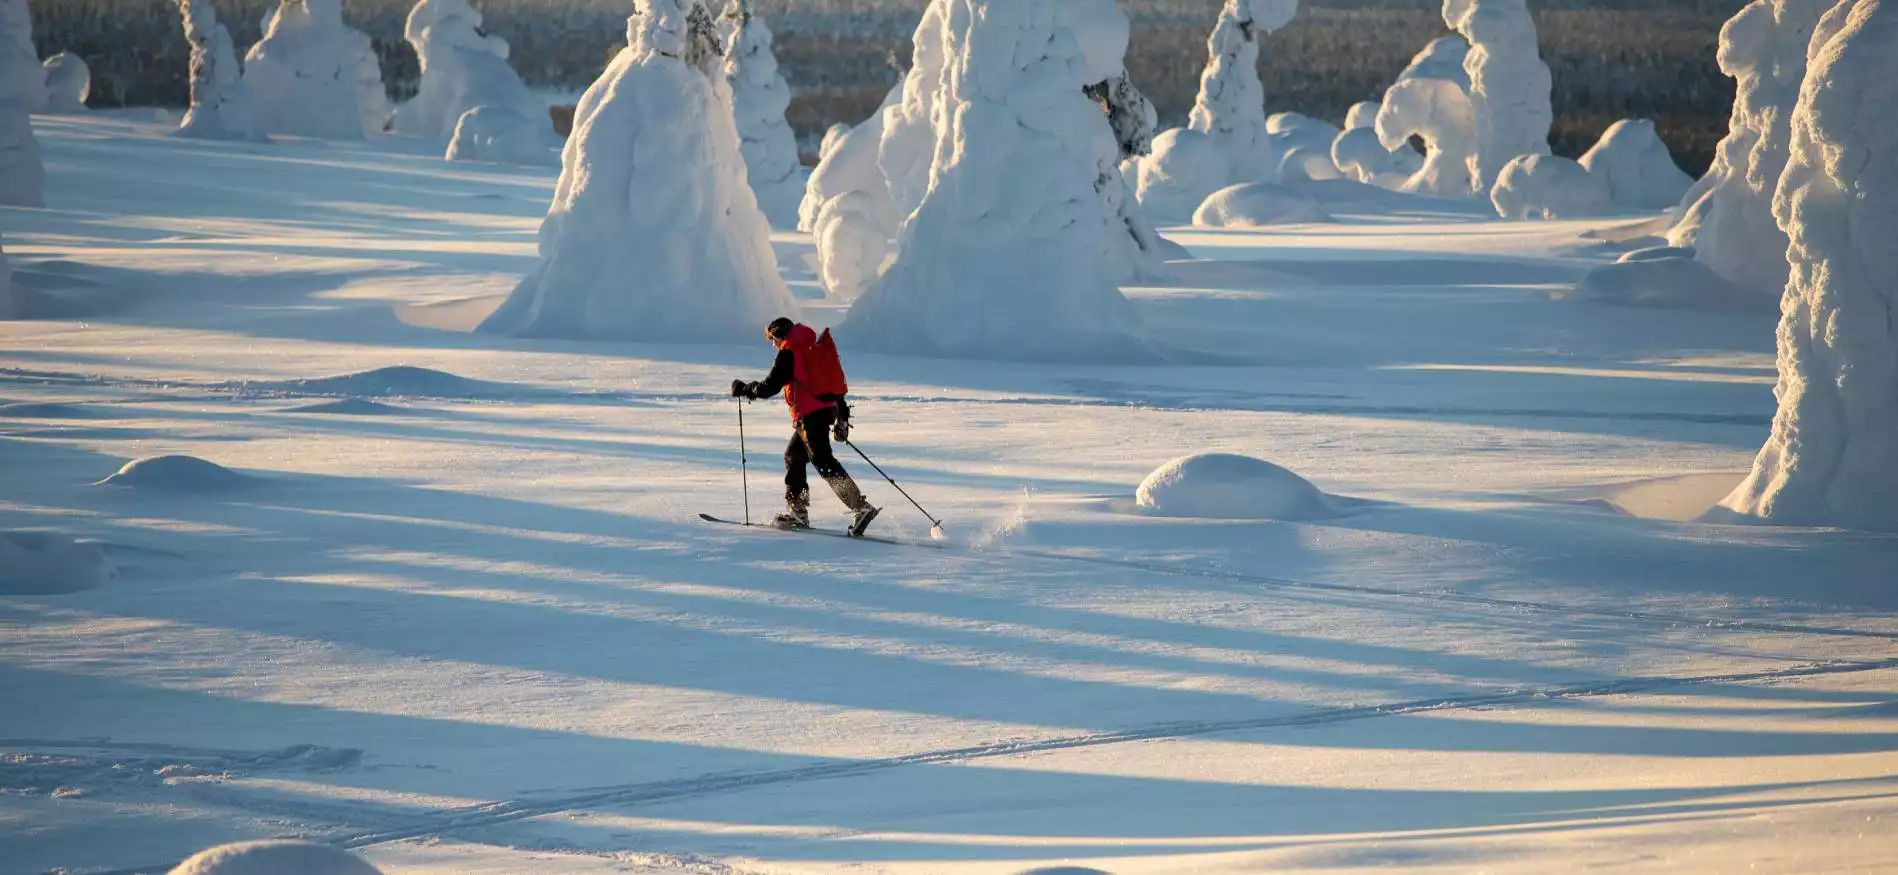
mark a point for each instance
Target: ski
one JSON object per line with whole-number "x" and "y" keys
{"x": 829, "y": 533}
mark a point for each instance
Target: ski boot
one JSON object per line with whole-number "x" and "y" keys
{"x": 862, "y": 518}
{"x": 797, "y": 512}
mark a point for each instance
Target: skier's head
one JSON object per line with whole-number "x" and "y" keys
{"x": 778, "y": 330}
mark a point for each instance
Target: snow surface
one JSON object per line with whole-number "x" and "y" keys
{"x": 22, "y": 92}
{"x": 274, "y": 858}
{"x": 497, "y": 134}
{"x": 1258, "y": 205}
{"x": 42, "y": 563}
{"x": 1636, "y": 166}
{"x": 308, "y": 75}
{"x": 220, "y": 101}
{"x": 1549, "y": 187}
{"x": 68, "y": 83}
{"x": 464, "y": 69}
{"x": 759, "y": 99}
{"x": 1509, "y": 84}
{"x": 1524, "y": 655}
{"x": 652, "y": 129}
{"x": 1230, "y": 487}
{"x": 1832, "y": 457}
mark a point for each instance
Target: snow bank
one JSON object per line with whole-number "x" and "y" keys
{"x": 1832, "y": 457}
{"x": 1659, "y": 277}
{"x": 22, "y": 92}
{"x": 759, "y": 99}
{"x": 1509, "y": 85}
{"x": 1438, "y": 112}
{"x": 1230, "y": 106}
{"x": 1763, "y": 47}
{"x": 1635, "y": 165}
{"x": 1231, "y": 487}
{"x": 220, "y": 101}
{"x": 1185, "y": 168}
{"x": 653, "y": 234}
{"x": 1257, "y": 205}
{"x": 1548, "y": 187}
{"x": 499, "y": 135}
{"x": 274, "y": 857}
{"x": 68, "y": 83}
{"x": 44, "y": 563}
{"x": 463, "y": 69}
{"x": 1002, "y": 259}
{"x": 176, "y": 474}
{"x": 310, "y": 77}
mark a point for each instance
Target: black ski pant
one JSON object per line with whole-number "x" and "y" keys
{"x": 810, "y": 445}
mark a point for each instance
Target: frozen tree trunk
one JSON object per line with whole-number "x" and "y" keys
{"x": 1002, "y": 259}
{"x": 1230, "y": 107}
{"x": 1129, "y": 113}
{"x": 1509, "y": 84}
{"x": 1731, "y": 225}
{"x": 653, "y": 234}
{"x": 1832, "y": 458}
{"x": 220, "y": 102}
{"x": 759, "y": 99}
{"x": 22, "y": 177}
{"x": 311, "y": 76}
{"x": 462, "y": 69}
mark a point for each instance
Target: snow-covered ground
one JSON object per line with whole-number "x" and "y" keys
{"x": 451, "y": 604}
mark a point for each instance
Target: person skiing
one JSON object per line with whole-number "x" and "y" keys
{"x": 805, "y": 362}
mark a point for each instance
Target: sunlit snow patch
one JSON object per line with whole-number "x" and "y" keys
{"x": 1231, "y": 487}
{"x": 176, "y": 474}
{"x": 274, "y": 858}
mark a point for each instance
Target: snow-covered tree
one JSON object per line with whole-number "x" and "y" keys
{"x": 1129, "y": 113}
{"x": 847, "y": 206}
{"x": 1230, "y": 106}
{"x": 907, "y": 149}
{"x": 496, "y": 134}
{"x": 68, "y": 83}
{"x": 1635, "y": 165}
{"x": 463, "y": 68}
{"x": 653, "y": 234}
{"x": 1832, "y": 458}
{"x": 310, "y": 74}
{"x": 1186, "y": 166}
{"x": 1359, "y": 156}
{"x": 21, "y": 175}
{"x": 1509, "y": 84}
{"x": 1441, "y": 58}
{"x": 220, "y": 101}
{"x": 759, "y": 99}
{"x": 1438, "y": 112}
{"x": 1730, "y": 221}
{"x": 1002, "y": 259}
{"x": 1548, "y": 187}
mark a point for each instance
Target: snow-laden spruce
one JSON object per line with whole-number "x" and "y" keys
{"x": 1132, "y": 248}
{"x": 22, "y": 177}
{"x": 68, "y": 83}
{"x": 1832, "y": 458}
{"x": 653, "y": 234}
{"x": 220, "y": 101}
{"x": 1230, "y": 106}
{"x": 847, "y": 207}
{"x": 906, "y": 150}
{"x": 309, "y": 75}
{"x": 1730, "y": 221}
{"x": 1002, "y": 259}
{"x": 462, "y": 68}
{"x": 1509, "y": 84}
{"x": 1437, "y": 111}
{"x": 1548, "y": 187}
{"x": 759, "y": 98}
{"x": 1635, "y": 165}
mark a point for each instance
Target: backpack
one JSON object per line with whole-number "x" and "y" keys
{"x": 826, "y": 370}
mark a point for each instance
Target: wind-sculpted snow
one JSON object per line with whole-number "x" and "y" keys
{"x": 308, "y": 74}
{"x": 220, "y": 101}
{"x": 1230, "y": 107}
{"x": 1832, "y": 457}
{"x": 1509, "y": 85}
{"x": 51, "y": 563}
{"x": 1635, "y": 165}
{"x": 1730, "y": 219}
{"x": 274, "y": 857}
{"x": 1438, "y": 112}
{"x": 1548, "y": 187}
{"x": 1361, "y": 157}
{"x": 1659, "y": 277}
{"x": 653, "y": 234}
{"x": 759, "y": 99}
{"x": 1258, "y": 205}
{"x": 462, "y": 69}
{"x": 22, "y": 92}
{"x": 1003, "y": 257}
{"x": 1231, "y": 487}
{"x": 68, "y": 83}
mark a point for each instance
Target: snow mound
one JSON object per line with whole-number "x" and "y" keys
{"x": 1656, "y": 278}
{"x": 1291, "y": 130}
{"x": 1186, "y": 166}
{"x": 1635, "y": 165}
{"x": 1231, "y": 487}
{"x": 1308, "y": 163}
{"x": 274, "y": 858}
{"x": 500, "y": 135}
{"x": 68, "y": 83}
{"x": 44, "y": 563}
{"x": 1257, "y": 205}
{"x": 176, "y": 474}
{"x": 1548, "y": 187}
{"x": 401, "y": 381}
{"x": 345, "y": 407}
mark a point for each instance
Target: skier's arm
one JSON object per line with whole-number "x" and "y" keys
{"x": 782, "y": 371}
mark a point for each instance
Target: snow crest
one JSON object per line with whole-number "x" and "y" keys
{"x": 653, "y": 233}
{"x": 1231, "y": 487}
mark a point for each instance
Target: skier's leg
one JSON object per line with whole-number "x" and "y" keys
{"x": 816, "y": 431}
{"x": 797, "y": 489}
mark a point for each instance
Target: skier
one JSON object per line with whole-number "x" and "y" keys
{"x": 808, "y": 372}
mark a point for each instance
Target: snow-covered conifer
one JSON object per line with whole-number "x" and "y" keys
{"x": 1230, "y": 106}
{"x": 1359, "y": 156}
{"x": 1002, "y": 258}
{"x": 68, "y": 83}
{"x": 1438, "y": 112}
{"x": 220, "y": 101}
{"x": 1635, "y": 165}
{"x": 496, "y": 134}
{"x": 462, "y": 68}
{"x": 907, "y": 149}
{"x": 759, "y": 99}
{"x": 19, "y": 59}
{"x": 653, "y": 233}
{"x": 1548, "y": 187}
{"x": 847, "y": 206}
{"x": 1832, "y": 457}
{"x": 22, "y": 177}
{"x": 309, "y": 75}
{"x": 1509, "y": 84}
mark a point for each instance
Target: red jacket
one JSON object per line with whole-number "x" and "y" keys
{"x": 790, "y": 374}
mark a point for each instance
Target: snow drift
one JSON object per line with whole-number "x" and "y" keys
{"x": 1548, "y": 187}
{"x": 1258, "y": 205}
{"x": 1003, "y": 257}
{"x": 310, "y": 75}
{"x": 462, "y": 69}
{"x": 274, "y": 857}
{"x": 22, "y": 92}
{"x": 653, "y": 234}
{"x": 68, "y": 83}
{"x": 1832, "y": 457}
{"x": 1664, "y": 276}
{"x": 1634, "y": 164}
{"x": 759, "y": 99}
{"x": 176, "y": 474}
{"x": 220, "y": 101}
{"x": 1231, "y": 487}
{"x": 1509, "y": 85}
{"x": 45, "y": 563}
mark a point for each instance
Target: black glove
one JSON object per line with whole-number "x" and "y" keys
{"x": 841, "y": 430}
{"x": 740, "y": 390}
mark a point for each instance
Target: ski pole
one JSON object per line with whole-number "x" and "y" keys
{"x": 936, "y": 523}
{"x": 744, "y": 468}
